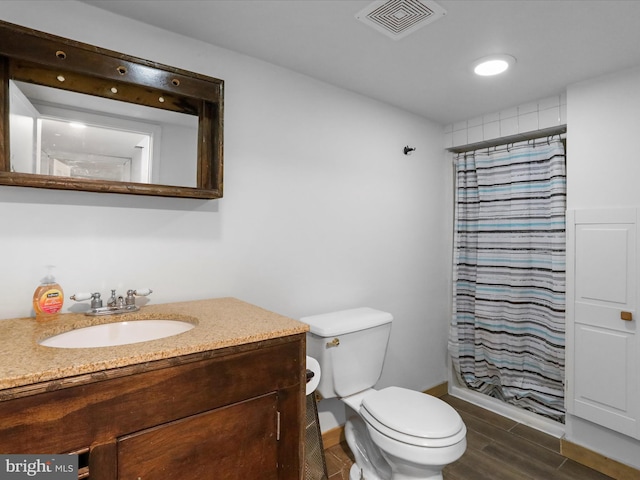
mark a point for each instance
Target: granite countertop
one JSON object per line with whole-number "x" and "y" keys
{"x": 220, "y": 323}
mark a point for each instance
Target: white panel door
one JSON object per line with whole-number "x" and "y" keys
{"x": 602, "y": 345}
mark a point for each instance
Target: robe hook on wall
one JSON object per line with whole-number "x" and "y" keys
{"x": 407, "y": 150}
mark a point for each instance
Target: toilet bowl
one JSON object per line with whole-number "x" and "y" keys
{"x": 369, "y": 462}
{"x": 404, "y": 435}
{"x": 396, "y": 434}
{"x": 416, "y": 433}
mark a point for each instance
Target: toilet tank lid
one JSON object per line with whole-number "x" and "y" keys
{"x": 346, "y": 321}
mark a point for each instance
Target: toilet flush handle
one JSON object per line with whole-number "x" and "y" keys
{"x": 333, "y": 343}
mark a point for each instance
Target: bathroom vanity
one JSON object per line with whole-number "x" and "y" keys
{"x": 223, "y": 400}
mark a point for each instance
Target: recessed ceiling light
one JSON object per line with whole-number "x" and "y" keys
{"x": 492, "y": 65}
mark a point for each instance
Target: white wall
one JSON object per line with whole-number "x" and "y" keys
{"x": 321, "y": 209}
{"x": 603, "y": 170}
{"x": 602, "y": 159}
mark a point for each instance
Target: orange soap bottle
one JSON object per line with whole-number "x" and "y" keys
{"x": 48, "y": 299}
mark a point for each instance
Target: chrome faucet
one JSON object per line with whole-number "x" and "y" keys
{"x": 112, "y": 300}
{"x": 115, "y": 304}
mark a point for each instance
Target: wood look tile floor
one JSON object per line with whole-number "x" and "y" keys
{"x": 497, "y": 449}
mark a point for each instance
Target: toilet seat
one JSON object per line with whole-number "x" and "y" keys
{"x": 412, "y": 417}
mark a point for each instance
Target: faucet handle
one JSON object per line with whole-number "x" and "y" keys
{"x": 142, "y": 292}
{"x": 132, "y": 294}
{"x": 96, "y": 301}
{"x": 79, "y": 297}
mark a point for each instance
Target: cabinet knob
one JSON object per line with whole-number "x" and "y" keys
{"x": 627, "y": 316}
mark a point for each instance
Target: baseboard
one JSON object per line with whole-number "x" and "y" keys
{"x": 335, "y": 436}
{"x": 439, "y": 390}
{"x": 597, "y": 461}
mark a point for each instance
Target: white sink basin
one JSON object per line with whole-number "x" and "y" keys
{"x": 119, "y": 333}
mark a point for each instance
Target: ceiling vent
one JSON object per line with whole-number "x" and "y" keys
{"x": 399, "y": 18}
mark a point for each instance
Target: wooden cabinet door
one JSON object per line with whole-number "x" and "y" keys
{"x": 602, "y": 345}
{"x": 237, "y": 441}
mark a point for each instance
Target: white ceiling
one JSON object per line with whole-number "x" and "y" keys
{"x": 556, "y": 43}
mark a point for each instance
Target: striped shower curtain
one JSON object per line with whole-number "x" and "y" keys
{"x": 507, "y": 332}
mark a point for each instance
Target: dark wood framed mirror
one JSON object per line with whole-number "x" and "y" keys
{"x": 79, "y": 117}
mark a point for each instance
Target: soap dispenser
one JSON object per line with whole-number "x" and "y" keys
{"x": 48, "y": 298}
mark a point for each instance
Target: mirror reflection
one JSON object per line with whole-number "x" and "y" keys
{"x": 75, "y": 116}
{"x": 68, "y": 134}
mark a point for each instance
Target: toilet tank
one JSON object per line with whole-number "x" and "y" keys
{"x": 350, "y": 346}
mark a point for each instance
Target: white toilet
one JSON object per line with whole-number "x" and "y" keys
{"x": 400, "y": 434}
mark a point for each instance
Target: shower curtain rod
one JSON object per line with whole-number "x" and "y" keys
{"x": 520, "y": 137}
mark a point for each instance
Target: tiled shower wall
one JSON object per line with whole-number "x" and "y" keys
{"x": 549, "y": 112}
